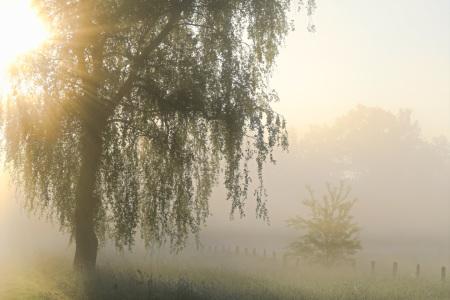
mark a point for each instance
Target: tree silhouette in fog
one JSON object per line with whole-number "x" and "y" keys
{"x": 121, "y": 122}
{"x": 400, "y": 175}
{"x": 330, "y": 235}
{"x": 368, "y": 142}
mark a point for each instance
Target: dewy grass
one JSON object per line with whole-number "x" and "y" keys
{"x": 211, "y": 277}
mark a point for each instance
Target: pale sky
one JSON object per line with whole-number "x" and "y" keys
{"x": 384, "y": 53}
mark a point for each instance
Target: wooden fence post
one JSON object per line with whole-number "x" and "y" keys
{"x": 274, "y": 255}
{"x": 394, "y": 269}
{"x": 418, "y": 271}
{"x": 443, "y": 274}
{"x": 372, "y": 269}
{"x": 254, "y": 252}
{"x": 264, "y": 254}
{"x": 237, "y": 250}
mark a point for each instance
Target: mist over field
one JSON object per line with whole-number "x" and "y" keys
{"x": 401, "y": 180}
{"x": 402, "y": 184}
{"x": 117, "y": 134}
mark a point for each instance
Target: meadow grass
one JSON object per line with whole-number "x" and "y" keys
{"x": 209, "y": 277}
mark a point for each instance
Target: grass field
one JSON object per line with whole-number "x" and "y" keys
{"x": 210, "y": 277}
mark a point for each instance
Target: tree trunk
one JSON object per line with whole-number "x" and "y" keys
{"x": 86, "y": 204}
{"x": 94, "y": 113}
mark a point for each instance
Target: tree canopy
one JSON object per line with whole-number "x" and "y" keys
{"x": 120, "y": 122}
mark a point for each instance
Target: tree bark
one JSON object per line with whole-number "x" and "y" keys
{"x": 86, "y": 204}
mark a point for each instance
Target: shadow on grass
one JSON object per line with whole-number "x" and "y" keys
{"x": 108, "y": 283}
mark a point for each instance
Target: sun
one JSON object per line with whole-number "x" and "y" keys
{"x": 20, "y": 31}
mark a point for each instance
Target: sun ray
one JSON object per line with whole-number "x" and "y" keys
{"x": 20, "y": 31}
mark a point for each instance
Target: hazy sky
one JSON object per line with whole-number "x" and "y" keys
{"x": 390, "y": 54}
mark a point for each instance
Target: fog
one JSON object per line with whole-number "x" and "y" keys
{"x": 366, "y": 100}
{"x": 24, "y": 235}
{"x": 401, "y": 180}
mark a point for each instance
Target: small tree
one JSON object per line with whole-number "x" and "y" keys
{"x": 331, "y": 236}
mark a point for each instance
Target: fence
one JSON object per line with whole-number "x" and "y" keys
{"x": 264, "y": 256}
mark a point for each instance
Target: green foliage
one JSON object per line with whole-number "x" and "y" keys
{"x": 331, "y": 237}
{"x": 129, "y": 110}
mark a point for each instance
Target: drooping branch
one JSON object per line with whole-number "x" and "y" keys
{"x": 138, "y": 60}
